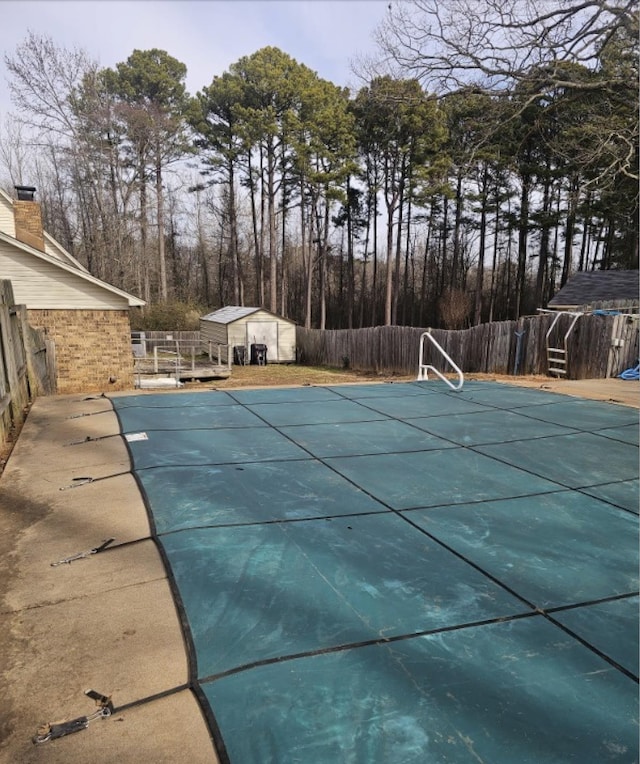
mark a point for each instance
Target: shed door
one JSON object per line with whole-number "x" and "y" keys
{"x": 264, "y": 333}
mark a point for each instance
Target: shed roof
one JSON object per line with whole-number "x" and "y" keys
{"x": 587, "y": 287}
{"x": 231, "y": 313}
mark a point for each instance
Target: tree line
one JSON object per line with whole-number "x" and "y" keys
{"x": 391, "y": 205}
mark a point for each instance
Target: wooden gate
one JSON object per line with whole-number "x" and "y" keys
{"x": 27, "y": 363}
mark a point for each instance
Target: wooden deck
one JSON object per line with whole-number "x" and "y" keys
{"x": 186, "y": 372}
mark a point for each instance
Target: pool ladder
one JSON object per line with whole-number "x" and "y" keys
{"x": 557, "y": 357}
{"x": 424, "y": 368}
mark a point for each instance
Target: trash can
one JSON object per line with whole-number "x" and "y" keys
{"x": 239, "y": 355}
{"x": 258, "y": 354}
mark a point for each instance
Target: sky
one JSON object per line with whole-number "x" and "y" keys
{"x": 206, "y": 35}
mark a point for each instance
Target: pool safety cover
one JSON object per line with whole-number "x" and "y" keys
{"x": 398, "y": 572}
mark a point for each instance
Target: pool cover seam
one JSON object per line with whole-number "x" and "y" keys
{"x": 560, "y": 397}
{"x": 584, "y": 429}
{"x": 363, "y": 643}
{"x": 385, "y": 510}
{"x": 431, "y": 632}
{"x": 566, "y": 486}
{"x": 584, "y": 491}
{"x": 473, "y": 448}
{"x": 323, "y": 459}
{"x": 535, "y": 610}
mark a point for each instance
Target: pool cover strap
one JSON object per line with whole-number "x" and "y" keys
{"x": 55, "y": 730}
{"x": 76, "y": 482}
{"x": 83, "y": 556}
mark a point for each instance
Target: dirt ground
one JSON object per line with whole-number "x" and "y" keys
{"x": 274, "y": 375}
{"x": 284, "y": 375}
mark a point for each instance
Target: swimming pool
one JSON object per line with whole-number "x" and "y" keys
{"x": 398, "y": 572}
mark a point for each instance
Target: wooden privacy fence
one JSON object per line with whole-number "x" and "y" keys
{"x": 599, "y": 346}
{"x": 27, "y": 362}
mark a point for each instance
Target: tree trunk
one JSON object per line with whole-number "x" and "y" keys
{"x": 543, "y": 258}
{"x": 569, "y": 230}
{"x": 257, "y": 253}
{"x": 143, "y": 234}
{"x": 273, "y": 247}
{"x": 160, "y": 212}
{"x": 323, "y": 265}
{"x": 481, "y": 248}
{"x": 523, "y": 234}
{"x": 455, "y": 262}
{"x": 374, "y": 276}
{"x": 494, "y": 259}
{"x": 233, "y": 235}
{"x": 350, "y": 270}
{"x": 423, "y": 285}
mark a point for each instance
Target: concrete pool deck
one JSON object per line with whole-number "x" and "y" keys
{"x": 107, "y": 622}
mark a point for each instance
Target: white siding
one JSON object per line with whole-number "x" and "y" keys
{"x": 51, "y": 247}
{"x": 286, "y": 345}
{"x": 286, "y": 341}
{"x": 7, "y": 221}
{"x": 41, "y": 285}
{"x": 211, "y": 331}
{"x": 237, "y": 333}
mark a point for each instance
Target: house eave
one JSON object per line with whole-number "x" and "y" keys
{"x": 133, "y": 302}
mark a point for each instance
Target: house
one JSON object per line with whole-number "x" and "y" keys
{"x": 598, "y": 289}
{"x": 87, "y": 318}
{"x": 237, "y": 327}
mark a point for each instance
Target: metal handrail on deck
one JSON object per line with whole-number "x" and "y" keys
{"x": 423, "y": 369}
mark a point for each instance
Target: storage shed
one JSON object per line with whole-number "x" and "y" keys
{"x": 241, "y": 327}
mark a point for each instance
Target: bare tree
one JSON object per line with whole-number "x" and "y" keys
{"x": 14, "y": 153}
{"x": 43, "y": 77}
{"x": 450, "y": 44}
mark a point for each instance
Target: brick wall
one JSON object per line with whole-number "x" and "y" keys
{"x": 92, "y": 348}
{"x": 28, "y": 217}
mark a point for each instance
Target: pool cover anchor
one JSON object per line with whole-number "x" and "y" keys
{"x": 84, "y": 555}
{"x": 55, "y": 730}
{"x": 90, "y": 413}
{"x": 77, "y": 481}
{"x": 90, "y": 439}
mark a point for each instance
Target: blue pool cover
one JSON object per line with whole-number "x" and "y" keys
{"x": 399, "y": 573}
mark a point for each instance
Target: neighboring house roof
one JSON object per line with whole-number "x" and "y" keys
{"x": 54, "y": 255}
{"x": 231, "y": 313}
{"x": 588, "y": 287}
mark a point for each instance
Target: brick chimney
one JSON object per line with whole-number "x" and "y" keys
{"x": 28, "y": 218}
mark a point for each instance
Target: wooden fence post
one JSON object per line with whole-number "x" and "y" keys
{"x": 9, "y": 351}
{"x": 35, "y": 384}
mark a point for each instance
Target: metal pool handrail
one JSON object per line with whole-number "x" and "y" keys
{"x": 423, "y": 369}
